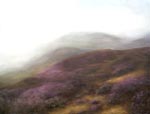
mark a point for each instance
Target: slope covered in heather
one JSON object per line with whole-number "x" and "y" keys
{"x": 97, "y": 82}
{"x": 65, "y": 47}
{"x": 68, "y": 46}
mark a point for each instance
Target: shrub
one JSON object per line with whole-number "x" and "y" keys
{"x": 34, "y": 101}
{"x": 141, "y": 103}
{"x": 25, "y": 106}
{"x": 126, "y": 89}
{"x": 55, "y": 102}
{"x": 104, "y": 89}
{"x": 122, "y": 67}
{"x": 6, "y": 99}
{"x": 4, "y": 106}
{"x": 38, "y": 106}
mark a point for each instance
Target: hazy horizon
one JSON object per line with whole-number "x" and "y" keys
{"x": 28, "y": 26}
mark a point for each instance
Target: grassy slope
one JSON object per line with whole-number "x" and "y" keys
{"x": 78, "y": 79}
{"x": 65, "y": 47}
{"x": 136, "y": 57}
{"x": 38, "y": 64}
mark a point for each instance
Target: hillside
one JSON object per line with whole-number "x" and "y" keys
{"x": 36, "y": 64}
{"x": 97, "y": 82}
{"x": 91, "y": 40}
{"x": 68, "y": 46}
{"x": 139, "y": 43}
{"x": 65, "y": 47}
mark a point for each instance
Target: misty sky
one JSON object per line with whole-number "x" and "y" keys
{"x": 28, "y": 25}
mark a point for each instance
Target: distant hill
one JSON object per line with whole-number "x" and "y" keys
{"x": 90, "y": 41}
{"x": 68, "y": 46}
{"x": 141, "y": 42}
{"x": 75, "y": 44}
{"x": 65, "y": 47}
{"x": 35, "y": 65}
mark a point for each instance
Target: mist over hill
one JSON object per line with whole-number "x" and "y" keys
{"x": 90, "y": 41}
{"x": 74, "y": 56}
{"x": 68, "y": 46}
{"x": 141, "y": 42}
{"x": 65, "y": 47}
{"x": 96, "y": 71}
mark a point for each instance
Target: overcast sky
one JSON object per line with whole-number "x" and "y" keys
{"x": 27, "y": 25}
